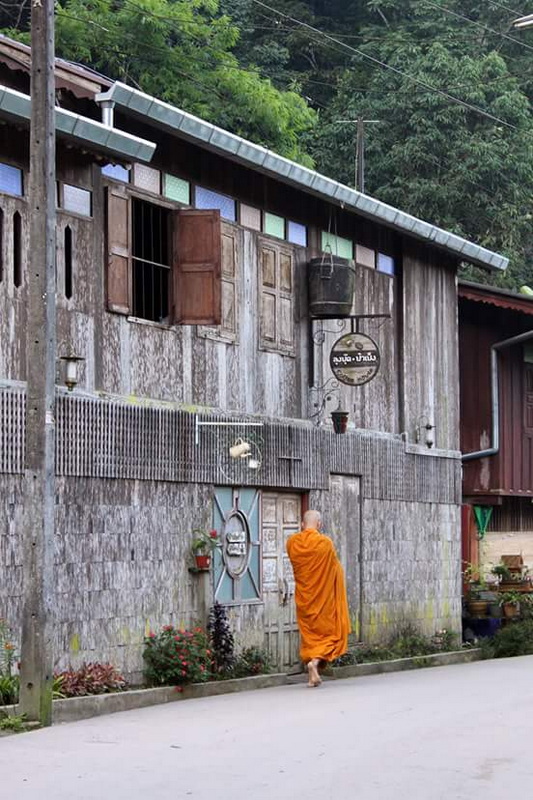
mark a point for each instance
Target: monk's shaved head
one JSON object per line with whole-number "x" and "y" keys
{"x": 312, "y": 519}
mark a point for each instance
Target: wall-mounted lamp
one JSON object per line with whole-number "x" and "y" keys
{"x": 71, "y": 370}
{"x": 425, "y": 431}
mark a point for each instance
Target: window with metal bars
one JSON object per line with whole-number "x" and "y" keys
{"x": 151, "y": 261}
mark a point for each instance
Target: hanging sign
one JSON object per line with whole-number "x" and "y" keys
{"x": 355, "y": 359}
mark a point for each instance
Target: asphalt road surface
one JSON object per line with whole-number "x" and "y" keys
{"x": 452, "y": 732}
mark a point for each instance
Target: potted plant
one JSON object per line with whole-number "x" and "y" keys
{"x": 510, "y": 603}
{"x": 502, "y": 572}
{"x": 340, "y": 421}
{"x": 202, "y": 547}
{"x": 476, "y": 585}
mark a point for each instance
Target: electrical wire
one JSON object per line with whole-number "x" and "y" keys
{"x": 477, "y": 24}
{"x": 391, "y": 68}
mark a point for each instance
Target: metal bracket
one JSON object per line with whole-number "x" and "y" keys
{"x": 235, "y": 424}
{"x": 317, "y": 339}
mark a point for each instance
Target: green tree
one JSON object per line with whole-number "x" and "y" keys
{"x": 182, "y": 52}
{"x": 435, "y": 158}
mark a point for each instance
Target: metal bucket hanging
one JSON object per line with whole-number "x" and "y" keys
{"x": 331, "y": 283}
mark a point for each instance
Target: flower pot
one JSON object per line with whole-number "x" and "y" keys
{"x": 340, "y": 421}
{"x": 495, "y": 610}
{"x": 202, "y": 561}
{"x": 511, "y": 610}
{"x": 477, "y": 608}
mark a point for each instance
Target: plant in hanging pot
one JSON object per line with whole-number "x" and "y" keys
{"x": 510, "y": 603}
{"x": 340, "y": 420}
{"x": 203, "y": 545}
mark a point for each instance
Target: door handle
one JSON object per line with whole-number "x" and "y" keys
{"x": 283, "y": 591}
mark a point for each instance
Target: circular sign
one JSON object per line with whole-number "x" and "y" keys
{"x": 354, "y": 359}
{"x": 236, "y": 544}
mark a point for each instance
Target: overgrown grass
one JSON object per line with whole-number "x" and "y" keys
{"x": 409, "y": 642}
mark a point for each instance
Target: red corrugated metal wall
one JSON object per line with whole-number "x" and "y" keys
{"x": 511, "y": 471}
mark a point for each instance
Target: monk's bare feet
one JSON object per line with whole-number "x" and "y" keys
{"x": 312, "y": 670}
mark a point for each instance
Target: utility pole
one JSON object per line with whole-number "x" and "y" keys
{"x": 359, "y": 176}
{"x": 39, "y": 476}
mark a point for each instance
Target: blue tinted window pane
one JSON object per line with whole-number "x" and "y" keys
{"x": 205, "y": 198}
{"x": 386, "y": 264}
{"x": 10, "y": 180}
{"x": 116, "y": 172}
{"x": 296, "y": 233}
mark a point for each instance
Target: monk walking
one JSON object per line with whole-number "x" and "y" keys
{"x": 321, "y": 602}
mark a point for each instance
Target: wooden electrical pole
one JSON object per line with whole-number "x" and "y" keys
{"x": 39, "y": 484}
{"x": 359, "y": 177}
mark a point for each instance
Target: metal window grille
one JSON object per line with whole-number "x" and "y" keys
{"x": 151, "y": 261}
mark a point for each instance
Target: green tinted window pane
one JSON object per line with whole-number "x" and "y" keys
{"x": 177, "y": 189}
{"x": 255, "y": 567}
{"x": 225, "y": 591}
{"x": 274, "y": 226}
{"x": 528, "y": 353}
{"x": 248, "y": 590}
{"x": 337, "y": 245}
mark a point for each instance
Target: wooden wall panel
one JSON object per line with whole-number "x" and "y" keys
{"x": 430, "y": 344}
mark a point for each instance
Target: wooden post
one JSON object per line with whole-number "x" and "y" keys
{"x": 39, "y": 485}
{"x": 360, "y": 156}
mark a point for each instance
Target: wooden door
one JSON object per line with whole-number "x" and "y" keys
{"x": 281, "y": 517}
{"x": 344, "y": 526}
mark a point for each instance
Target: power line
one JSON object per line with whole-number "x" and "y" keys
{"x": 391, "y": 68}
{"x": 477, "y": 24}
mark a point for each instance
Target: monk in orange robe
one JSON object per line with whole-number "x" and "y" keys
{"x": 321, "y": 601}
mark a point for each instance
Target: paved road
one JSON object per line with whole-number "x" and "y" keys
{"x": 452, "y": 732}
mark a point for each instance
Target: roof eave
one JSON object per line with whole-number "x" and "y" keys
{"x": 174, "y": 120}
{"x": 91, "y": 134}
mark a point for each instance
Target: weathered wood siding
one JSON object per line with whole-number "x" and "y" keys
{"x": 430, "y": 364}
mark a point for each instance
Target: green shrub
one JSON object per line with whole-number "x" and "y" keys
{"x": 513, "y": 640}
{"x": 174, "y": 657}
{"x": 410, "y": 642}
{"x": 9, "y": 690}
{"x": 251, "y": 661}
{"x": 221, "y": 638}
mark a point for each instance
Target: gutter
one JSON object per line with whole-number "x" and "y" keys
{"x": 495, "y": 394}
{"x": 92, "y": 134}
{"x": 169, "y": 118}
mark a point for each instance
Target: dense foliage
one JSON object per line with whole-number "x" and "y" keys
{"x": 512, "y": 640}
{"x": 447, "y": 84}
{"x": 173, "y": 657}
{"x": 222, "y": 640}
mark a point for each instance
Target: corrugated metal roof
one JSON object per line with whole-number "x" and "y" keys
{"x": 500, "y": 298}
{"x": 252, "y": 155}
{"x": 17, "y": 106}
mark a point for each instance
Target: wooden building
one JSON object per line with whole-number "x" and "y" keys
{"x": 182, "y": 282}
{"x": 496, "y": 370}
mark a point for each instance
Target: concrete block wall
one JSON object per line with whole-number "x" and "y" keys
{"x": 122, "y": 557}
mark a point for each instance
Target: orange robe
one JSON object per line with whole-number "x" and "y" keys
{"x": 321, "y": 601}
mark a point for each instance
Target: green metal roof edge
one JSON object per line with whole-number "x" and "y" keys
{"x": 91, "y": 133}
{"x": 166, "y": 116}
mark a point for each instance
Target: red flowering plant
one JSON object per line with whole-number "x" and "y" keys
{"x": 204, "y": 542}
{"x": 173, "y": 657}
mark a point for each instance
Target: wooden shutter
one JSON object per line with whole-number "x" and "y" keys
{"x": 119, "y": 278}
{"x": 197, "y": 267}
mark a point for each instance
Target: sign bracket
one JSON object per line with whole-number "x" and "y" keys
{"x": 355, "y": 323}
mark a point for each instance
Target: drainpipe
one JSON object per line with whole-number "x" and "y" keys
{"x": 495, "y": 393}
{"x": 108, "y": 108}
